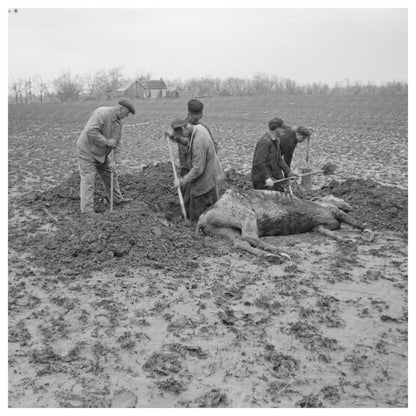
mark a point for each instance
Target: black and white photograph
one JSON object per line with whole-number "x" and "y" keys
{"x": 207, "y": 205}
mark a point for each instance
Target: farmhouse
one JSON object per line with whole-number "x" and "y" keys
{"x": 131, "y": 90}
{"x": 142, "y": 89}
{"x": 155, "y": 88}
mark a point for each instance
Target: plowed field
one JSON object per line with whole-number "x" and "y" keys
{"x": 133, "y": 309}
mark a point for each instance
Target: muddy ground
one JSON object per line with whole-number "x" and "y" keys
{"x": 135, "y": 310}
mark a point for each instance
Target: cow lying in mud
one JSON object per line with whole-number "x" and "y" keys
{"x": 245, "y": 218}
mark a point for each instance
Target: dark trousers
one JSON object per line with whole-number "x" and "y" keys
{"x": 199, "y": 204}
{"x": 288, "y": 157}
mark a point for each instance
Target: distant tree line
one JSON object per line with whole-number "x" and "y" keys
{"x": 263, "y": 84}
{"x": 99, "y": 84}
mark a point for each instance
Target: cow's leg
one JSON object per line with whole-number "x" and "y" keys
{"x": 366, "y": 235}
{"x": 260, "y": 244}
{"x": 328, "y": 233}
{"x": 348, "y": 219}
{"x": 238, "y": 242}
{"x": 250, "y": 234}
{"x": 272, "y": 257}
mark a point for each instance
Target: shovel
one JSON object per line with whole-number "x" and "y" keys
{"x": 327, "y": 169}
{"x": 111, "y": 183}
{"x": 176, "y": 177}
{"x": 307, "y": 180}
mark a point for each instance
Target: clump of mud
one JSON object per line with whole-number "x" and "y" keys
{"x": 215, "y": 398}
{"x": 310, "y": 400}
{"x": 149, "y": 231}
{"x": 381, "y": 207}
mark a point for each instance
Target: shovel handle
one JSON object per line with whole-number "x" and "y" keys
{"x": 111, "y": 183}
{"x": 298, "y": 176}
{"x": 181, "y": 202}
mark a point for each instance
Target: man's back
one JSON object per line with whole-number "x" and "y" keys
{"x": 206, "y": 169}
{"x": 288, "y": 140}
{"x": 99, "y": 127}
{"x": 265, "y": 160}
{"x": 288, "y": 143}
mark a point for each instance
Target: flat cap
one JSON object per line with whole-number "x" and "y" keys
{"x": 195, "y": 107}
{"x": 127, "y": 103}
{"x": 178, "y": 123}
{"x": 276, "y": 122}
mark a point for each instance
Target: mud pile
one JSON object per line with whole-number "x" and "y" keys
{"x": 149, "y": 231}
{"x": 381, "y": 207}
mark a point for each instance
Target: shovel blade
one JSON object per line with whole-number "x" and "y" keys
{"x": 306, "y": 181}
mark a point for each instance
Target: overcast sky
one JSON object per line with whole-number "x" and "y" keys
{"x": 306, "y": 45}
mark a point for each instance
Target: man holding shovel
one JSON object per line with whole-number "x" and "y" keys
{"x": 205, "y": 169}
{"x": 194, "y": 116}
{"x": 268, "y": 163}
{"x": 99, "y": 140}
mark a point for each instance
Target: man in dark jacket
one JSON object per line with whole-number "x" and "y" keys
{"x": 268, "y": 163}
{"x": 289, "y": 139}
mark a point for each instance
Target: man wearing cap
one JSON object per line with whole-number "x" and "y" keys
{"x": 205, "y": 169}
{"x": 289, "y": 139}
{"x": 268, "y": 163}
{"x": 195, "y": 114}
{"x": 100, "y": 136}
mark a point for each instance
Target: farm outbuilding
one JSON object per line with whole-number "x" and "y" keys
{"x": 176, "y": 92}
{"x": 142, "y": 89}
{"x": 154, "y": 88}
{"x": 131, "y": 90}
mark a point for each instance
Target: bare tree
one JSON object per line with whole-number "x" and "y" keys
{"x": 68, "y": 87}
{"x": 43, "y": 91}
{"x": 142, "y": 74}
{"x": 19, "y": 91}
{"x": 115, "y": 77}
{"x": 15, "y": 87}
{"x": 90, "y": 83}
{"x": 101, "y": 81}
{"x": 40, "y": 88}
{"x": 234, "y": 86}
{"x": 27, "y": 86}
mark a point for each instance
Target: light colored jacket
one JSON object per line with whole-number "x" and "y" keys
{"x": 100, "y": 127}
{"x": 206, "y": 171}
